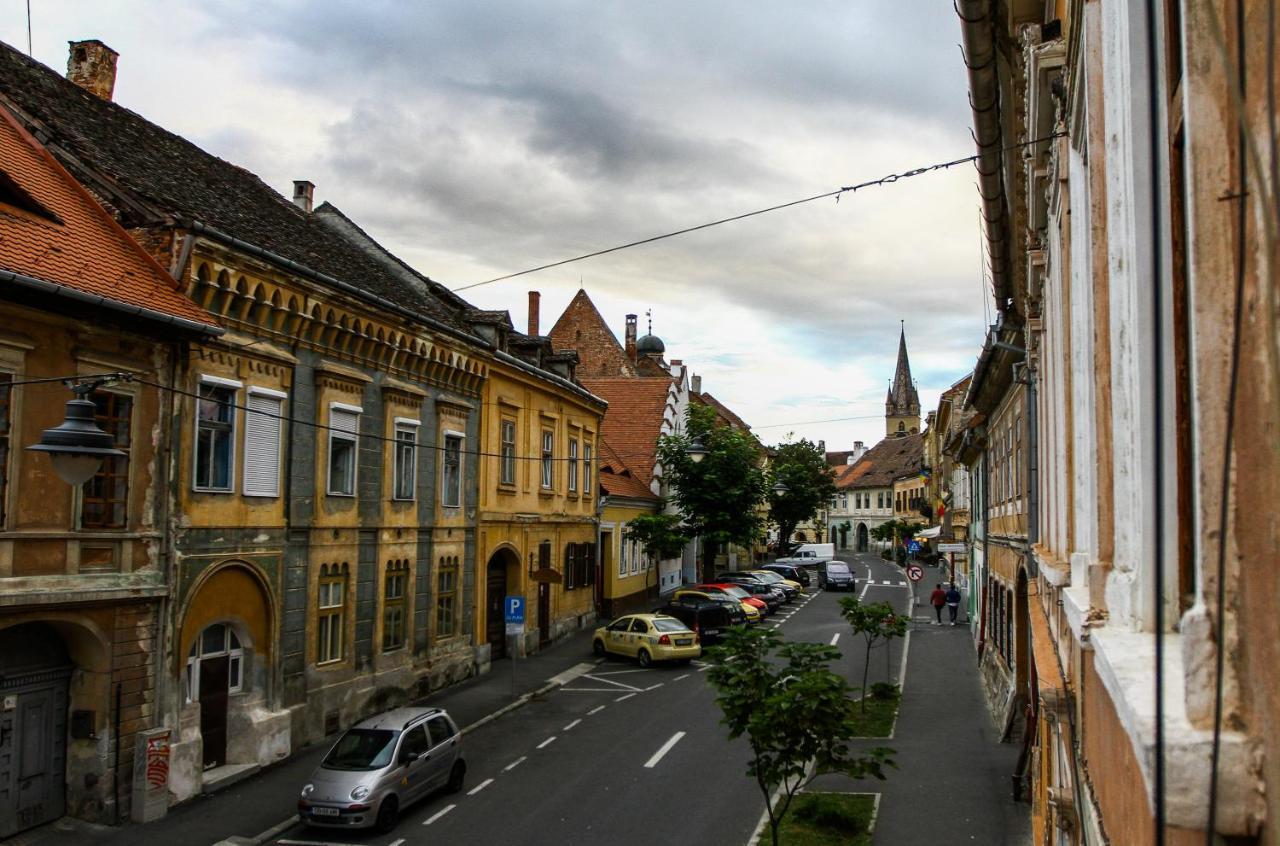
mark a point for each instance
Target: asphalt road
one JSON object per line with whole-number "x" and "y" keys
{"x": 624, "y": 755}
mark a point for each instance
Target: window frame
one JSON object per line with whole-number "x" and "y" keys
{"x": 507, "y": 451}
{"x": 548, "y": 442}
{"x": 196, "y": 654}
{"x": 588, "y": 455}
{"x": 446, "y": 582}
{"x": 404, "y": 426}
{"x": 396, "y": 573}
{"x": 353, "y": 439}
{"x": 111, "y": 462}
{"x": 331, "y": 618}
{"x": 452, "y": 439}
{"x": 216, "y": 383}
{"x": 572, "y": 482}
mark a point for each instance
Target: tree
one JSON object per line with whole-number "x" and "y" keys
{"x": 894, "y": 531}
{"x": 810, "y": 483}
{"x": 661, "y": 535}
{"x": 718, "y": 495}
{"x": 794, "y": 711}
{"x": 875, "y": 621}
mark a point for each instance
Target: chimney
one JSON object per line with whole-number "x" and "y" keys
{"x": 535, "y": 300}
{"x": 303, "y": 194}
{"x": 92, "y": 65}
{"x": 631, "y": 337}
{"x": 695, "y": 384}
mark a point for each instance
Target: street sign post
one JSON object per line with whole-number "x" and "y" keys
{"x": 953, "y": 547}
{"x": 915, "y": 573}
{"x": 513, "y": 613}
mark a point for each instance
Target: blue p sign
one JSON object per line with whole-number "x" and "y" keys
{"x": 514, "y": 606}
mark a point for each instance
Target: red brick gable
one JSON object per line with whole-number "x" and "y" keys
{"x": 583, "y": 329}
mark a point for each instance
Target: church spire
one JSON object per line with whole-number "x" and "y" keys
{"x": 902, "y": 405}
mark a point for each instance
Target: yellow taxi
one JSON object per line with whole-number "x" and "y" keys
{"x": 750, "y": 610}
{"x": 647, "y": 638}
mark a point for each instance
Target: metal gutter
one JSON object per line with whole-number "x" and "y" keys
{"x": 508, "y": 358}
{"x": 76, "y": 295}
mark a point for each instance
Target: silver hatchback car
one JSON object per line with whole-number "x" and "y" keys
{"x": 382, "y": 765}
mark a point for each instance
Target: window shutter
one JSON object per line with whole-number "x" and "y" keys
{"x": 344, "y": 421}
{"x": 570, "y": 561}
{"x": 262, "y": 426}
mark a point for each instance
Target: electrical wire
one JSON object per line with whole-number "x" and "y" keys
{"x": 837, "y": 193}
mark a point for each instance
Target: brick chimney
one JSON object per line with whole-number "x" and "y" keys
{"x": 535, "y": 303}
{"x": 695, "y": 383}
{"x": 303, "y": 194}
{"x": 631, "y": 337}
{"x": 92, "y": 65}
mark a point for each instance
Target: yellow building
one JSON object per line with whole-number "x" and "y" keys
{"x": 628, "y": 577}
{"x": 537, "y": 520}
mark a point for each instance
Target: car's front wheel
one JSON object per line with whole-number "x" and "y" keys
{"x": 456, "y": 777}
{"x": 598, "y": 648}
{"x": 644, "y": 658}
{"x": 388, "y": 814}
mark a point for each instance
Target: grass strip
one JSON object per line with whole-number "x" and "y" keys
{"x": 827, "y": 819}
{"x": 878, "y": 718}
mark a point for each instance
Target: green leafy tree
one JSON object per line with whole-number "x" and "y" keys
{"x": 718, "y": 495}
{"x": 661, "y": 535}
{"x": 794, "y": 712}
{"x": 810, "y": 484}
{"x": 893, "y": 532}
{"x": 876, "y": 621}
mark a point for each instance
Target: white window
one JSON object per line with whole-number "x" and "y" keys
{"x": 214, "y": 642}
{"x": 573, "y": 465}
{"x": 548, "y": 458}
{"x": 215, "y": 434}
{"x": 405, "y": 468}
{"x": 635, "y": 557}
{"x": 622, "y": 557}
{"x": 586, "y": 470}
{"x": 344, "y": 427}
{"x": 263, "y": 420}
{"x": 508, "y": 452}
{"x": 451, "y": 479}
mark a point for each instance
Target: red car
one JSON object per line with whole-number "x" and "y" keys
{"x": 737, "y": 593}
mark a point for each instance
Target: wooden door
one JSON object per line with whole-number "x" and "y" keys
{"x": 32, "y": 757}
{"x": 213, "y": 710}
{"x": 495, "y": 619}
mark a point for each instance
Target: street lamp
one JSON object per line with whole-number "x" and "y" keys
{"x": 780, "y": 488}
{"x": 77, "y": 446}
{"x": 696, "y": 451}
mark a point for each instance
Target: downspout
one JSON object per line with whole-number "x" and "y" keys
{"x": 980, "y": 57}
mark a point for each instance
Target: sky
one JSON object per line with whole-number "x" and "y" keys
{"x": 476, "y": 139}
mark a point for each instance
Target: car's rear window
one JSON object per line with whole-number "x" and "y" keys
{"x": 837, "y": 568}
{"x": 670, "y": 626}
{"x": 736, "y": 592}
{"x": 362, "y": 749}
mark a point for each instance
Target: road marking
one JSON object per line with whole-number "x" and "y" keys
{"x": 886, "y": 582}
{"x": 311, "y": 842}
{"x": 438, "y": 814}
{"x": 481, "y": 786}
{"x": 666, "y": 747}
{"x": 902, "y": 584}
{"x": 572, "y": 724}
{"x": 653, "y": 686}
{"x": 399, "y": 842}
{"x": 550, "y": 740}
{"x": 600, "y": 678}
{"x": 677, "y": 678}
{"x": 595, "y": 710}
{"x": 572, "y": 673}
{"x": 834, "y": 638}
{"x": 704, "y": 668}
{"x": 517, "y": 762}
{"x": 866, "y": 585}
{"x": 622, "y": 698}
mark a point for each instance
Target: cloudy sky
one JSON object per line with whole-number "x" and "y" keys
{"x": 477, "y": 139}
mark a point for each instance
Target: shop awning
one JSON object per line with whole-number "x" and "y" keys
{"x": 931, "y": 532}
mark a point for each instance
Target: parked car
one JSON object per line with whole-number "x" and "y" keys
{"x": 809, "y": 553}
{"x": 707, "y": 618}
{"x": 647, "y": 638}
{"x": 794, "y": 572}
{"x": 382, "y": 765}
{"x": 790, "y": 587}
{"x": 772, "y": 597}
{"x": 755, "y": 609}
{"x": 835, "y": 575}
{"x": 737, "y": 613}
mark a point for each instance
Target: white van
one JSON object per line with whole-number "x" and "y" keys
{"x": 811, "y": 554}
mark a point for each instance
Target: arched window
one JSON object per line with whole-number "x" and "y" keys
{"x": 215, "y": 641}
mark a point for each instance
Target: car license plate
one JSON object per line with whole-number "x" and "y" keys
{"x": 324, "y": 812}
{"x": 684, "y": 641}
{"x": 711, "y": 632}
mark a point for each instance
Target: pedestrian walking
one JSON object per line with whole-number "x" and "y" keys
{"x": 953, "y": 602}
{"x": 938, "y": 599}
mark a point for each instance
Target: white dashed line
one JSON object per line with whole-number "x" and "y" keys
{"x": 517, "y": 762}
{"x": 666, "y": 747}
{"x": 481, "y": 786}
{"x": 704, "y": 668}
{"x": 654, "y": 686}
{"x": 677, "y": 678}
{"x": 622, "y": 698}
{"x": 399, "y": 842}
{"x": 834, "y": 638}
{"x": 550, "y": 740}
{"x": 572, "y": 724}
{"x": 595, "y": 710}
{"x": 438, "y": 814}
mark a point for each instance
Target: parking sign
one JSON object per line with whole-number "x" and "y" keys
{"x": 513, "y": 611}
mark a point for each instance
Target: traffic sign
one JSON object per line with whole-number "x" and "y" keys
{"x": 915, "y": 572}
{"x": 913, "y": 547}
{"x": 953, "y": 547}
{"x": 514, "y": 612}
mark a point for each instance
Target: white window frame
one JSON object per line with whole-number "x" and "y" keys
{"x": 235, "y": 661}
{"x": 588, "y": 455}
{"x": 235, "y": 386}
{"x": 404, "y": 425}
{"x": 573, "y": 465}
{"x": 354, "y": 438}
{"x": 507, "y": 451}
{"x": 255, "y": 391}
{"x": 548, "y": 441}
{"x": 461, "y": 438}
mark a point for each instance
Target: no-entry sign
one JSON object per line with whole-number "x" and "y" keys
{"x": 915, "y": 572}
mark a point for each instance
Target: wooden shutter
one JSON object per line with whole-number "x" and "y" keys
{"x": 262, "y": 425}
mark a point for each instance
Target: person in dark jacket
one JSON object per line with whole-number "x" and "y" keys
{"x": 953, "y": 602}
{"x": 938, "y": 599}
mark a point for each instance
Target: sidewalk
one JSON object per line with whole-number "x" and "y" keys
{"x": 952, "y": 781}
{"x": 267, "y": 799}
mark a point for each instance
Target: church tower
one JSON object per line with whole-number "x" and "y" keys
{"x": 902, "y": 405}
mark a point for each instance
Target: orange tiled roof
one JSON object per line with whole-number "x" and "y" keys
{"x": 890, "y": 459}
{"x": 616, "y": 477}
{"x": 53, "y": 230}
{"x": 727, "y": 414}
{"x": 633, "y": 421}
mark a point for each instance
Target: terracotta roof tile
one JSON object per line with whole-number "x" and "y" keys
{"x": 617, "y": 479}
{"x": 727, "y": 414}
{"x": 76, "y": 244}
{"x": 637, "y": 407}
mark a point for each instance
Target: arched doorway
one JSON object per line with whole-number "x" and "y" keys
{"x": 215, "y": 670}
{"x": 500, "y": 574}
{"x": 35, "y": 676}
{"x": 864, "y": 538}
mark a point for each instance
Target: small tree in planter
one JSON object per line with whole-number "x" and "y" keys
{"x": 875, "y": 622}
{"x": 794, "y": 712}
